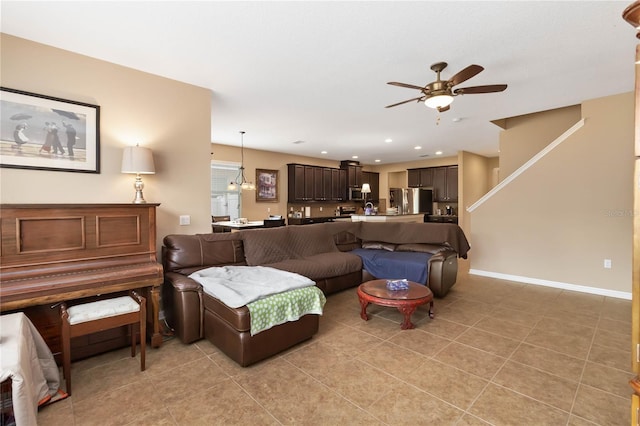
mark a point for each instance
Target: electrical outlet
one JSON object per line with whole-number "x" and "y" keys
{"x": 607, "y": 263}
{"x": 268, "y": 209}
{"x": 185, "y": 220}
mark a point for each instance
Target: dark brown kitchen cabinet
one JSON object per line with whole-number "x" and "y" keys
{"x": 300, "y": 182}
{"x": 373, "y": 179}
{"x": 420, "y": 178}
{"x": 338, "y": 184}
{"x": 322, "y": 184}
{"x": 354, "y": 176}
{"x": 315, "y": 183}
{"x": 445, "y": 184}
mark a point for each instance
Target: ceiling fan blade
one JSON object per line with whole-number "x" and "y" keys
{"x": 404, "y": 102}
{"x": 465, "y": 74}
{"x": 480, "y": 89}
{"x": 443, "y": 109}
{"x": 408, "y": 86}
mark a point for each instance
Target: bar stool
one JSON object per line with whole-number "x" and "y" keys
{"x": 87, "y": 318}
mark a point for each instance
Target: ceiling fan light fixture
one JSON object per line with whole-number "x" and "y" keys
{"x": 438, "y": 101}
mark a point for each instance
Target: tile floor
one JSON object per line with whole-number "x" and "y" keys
{"x": 498, "y": 353}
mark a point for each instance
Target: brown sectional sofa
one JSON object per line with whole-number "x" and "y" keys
{"x": 319, "y": 252}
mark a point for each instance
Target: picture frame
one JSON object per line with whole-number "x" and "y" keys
{"x": 41, "y": 132}
{"x": 267, "y": 185}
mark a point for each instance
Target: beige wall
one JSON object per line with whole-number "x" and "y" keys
{"x": 568, "y": 212}
{"x": 171, "y": 118}
{"x": 474, "y": 181}
{"x": 526, "y": 135}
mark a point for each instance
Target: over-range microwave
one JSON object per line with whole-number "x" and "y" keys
{"x": 356, "y": 194}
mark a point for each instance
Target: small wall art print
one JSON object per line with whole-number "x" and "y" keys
{"x": 45, "y": 133}
{"x": 267, "y": 185}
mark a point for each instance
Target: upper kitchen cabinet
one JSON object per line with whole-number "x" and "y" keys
{"x": 445, "y": 184}
{"x": 300, "y": 182}
{"x": 315, "y": 183}
{"x": 354, "y": 173}
{"x": 419, "y": 178}
{"x": 338, "y": 184}
{"x": 373, "y": 179}
{"x": 322, "y": 186}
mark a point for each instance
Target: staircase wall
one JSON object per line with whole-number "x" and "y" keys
{"x": 557, "y": 221}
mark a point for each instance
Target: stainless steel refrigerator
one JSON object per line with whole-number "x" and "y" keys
{"x": 411, "y": 200}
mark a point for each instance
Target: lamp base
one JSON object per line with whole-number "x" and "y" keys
{"x": 138, "y": 186}
{"x": 139, "y": 199}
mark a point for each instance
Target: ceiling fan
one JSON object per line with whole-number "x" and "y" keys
{"x": 439, "y": 94}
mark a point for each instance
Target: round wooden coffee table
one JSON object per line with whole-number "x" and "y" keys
{"x": 406, "y": 301}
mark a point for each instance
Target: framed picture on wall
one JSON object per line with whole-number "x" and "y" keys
{"x": 267, "y": 185}
{"x": 44, "y": 133}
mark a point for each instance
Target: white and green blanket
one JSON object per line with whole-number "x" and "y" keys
{"x": 273, "y": 296}
{"x": 283, "y": 307}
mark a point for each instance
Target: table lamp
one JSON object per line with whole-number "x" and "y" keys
{"x": 138, "y": 160}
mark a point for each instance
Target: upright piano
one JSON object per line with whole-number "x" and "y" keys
{"x": 51, "y": 253}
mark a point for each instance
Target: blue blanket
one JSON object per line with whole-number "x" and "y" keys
{"x": 384, "y": 264}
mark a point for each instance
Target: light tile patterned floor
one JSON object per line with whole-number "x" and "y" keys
{"x": 498, "y": 352}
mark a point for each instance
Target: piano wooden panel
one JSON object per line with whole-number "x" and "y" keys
{"x": 62, "y": 252}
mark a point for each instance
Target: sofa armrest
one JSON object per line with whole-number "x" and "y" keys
{"x": 443, "y": 271}
{"x": 182, "y": 301}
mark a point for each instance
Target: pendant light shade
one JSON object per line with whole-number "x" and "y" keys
{"x": 240, "y": 181}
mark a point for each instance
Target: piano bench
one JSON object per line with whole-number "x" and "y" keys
{"x": 87, "y": 318}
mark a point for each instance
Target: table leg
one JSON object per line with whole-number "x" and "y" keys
{"x": 407, "y": 311}
{"x": 431, "y": 315}
{"x": 363, "y": 312}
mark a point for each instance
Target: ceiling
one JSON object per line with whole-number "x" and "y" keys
{"x": 305, "y": 77}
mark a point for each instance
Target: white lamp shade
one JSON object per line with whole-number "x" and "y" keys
{"x": 438, "y": 101}
{"x": 136, "y": 159}
{"x": 366, "y": 188}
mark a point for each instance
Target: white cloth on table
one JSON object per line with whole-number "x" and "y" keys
{"x": 27, "y": 360}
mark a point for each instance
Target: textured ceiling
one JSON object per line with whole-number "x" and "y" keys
{"x": 316, "y": 72}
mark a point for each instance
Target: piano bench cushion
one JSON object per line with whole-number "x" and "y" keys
{"x": 102, "y": 309}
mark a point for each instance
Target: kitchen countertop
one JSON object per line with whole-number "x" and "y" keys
{"x": 389, "y": 218}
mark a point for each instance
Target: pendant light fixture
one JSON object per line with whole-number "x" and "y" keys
{"x": 241, "y": 180}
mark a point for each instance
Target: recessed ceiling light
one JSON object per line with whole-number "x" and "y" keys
{"x": 417, "y": 147}
{"x": 456, "y": 119}
{"x": 438, "y": 152}
{"x": 388, "y": 140}
{"x": 377, "y": 161}
{"x": 355, "y": 157}
{"x": 323, "y": 152}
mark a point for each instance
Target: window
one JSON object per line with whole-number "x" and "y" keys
{"x": 223, "y": 201}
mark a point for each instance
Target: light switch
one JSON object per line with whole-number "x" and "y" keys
{"x": 185, "y": 220}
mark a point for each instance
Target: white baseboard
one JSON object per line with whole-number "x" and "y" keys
{"x": 555, "y": 284}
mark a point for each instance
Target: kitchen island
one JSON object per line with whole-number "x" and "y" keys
{"x": 388, "y": 218}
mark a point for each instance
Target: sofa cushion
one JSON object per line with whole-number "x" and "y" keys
{"x": 267, "y": 246}
{"x": 407, "y": 233}
{"x": 378, "y": 245}
{"x": 346, "y": 240}
{"x": 320, "y": 266}
{"x": 188, "y": 253}
{"x": 424, "y": 248}
{"x": 385, "y": 264}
